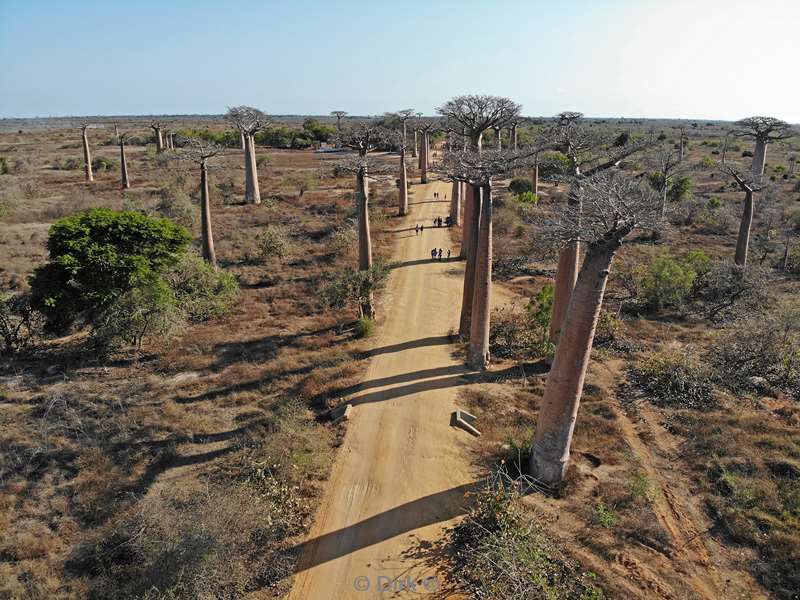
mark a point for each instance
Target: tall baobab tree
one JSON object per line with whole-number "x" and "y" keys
{"x": 474, "y": 114}
{"x": 249, "y": 121}
{"x": 123, "y": 163}
{"x": 200, "y": 153}
{"x": 748, "y": 183}
{"x": 427, "y": 129}
{"x": 157, "y": 127}
{"x": 87, "y": 155}
{"x": 404, "y": 115}
{"x": 763, "y": 130}
{"x": 609, "y": 208}
{"x": 339, "y": 114}
{"x": 589, "y": 154}
{"x": 363, "y": 137}
{"x": 455, "y": 203}
{"x": 514, "y": 139}
{"x": 498, "y": 137}
{"x": 403, "y": 179}
{"x": 415, "y": 150}
{"x": 478, "y": 170}
{"x": 681, "y": 143}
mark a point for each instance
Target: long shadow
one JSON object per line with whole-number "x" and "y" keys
{"x": 161, "y": 466}
{"x": 200, "y": 438}
{"x": 436, "y": 340}
{"x": 422, "y": 261}
{"x": 401, "y": 378}
{"x": 434, "y": 508}
{"x": 244, "y": 386}
{"x": 430, "y": 202}
{"x": 415, "y": 388}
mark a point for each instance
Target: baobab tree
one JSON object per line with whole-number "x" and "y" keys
{"x": 427, "y": 129}
{"x": 474, "y": 114}
{"x": 416, "y": 139}
{"x": 477, "y": 170}
{"x": 363, "y": 137}
{"x": 609, "y": 208}
{"x": 404, "y": 115}
{"x": 762, "y": 130}
{"x": 87, "y": 155}
{"x": 123, "y": 163}
{"x": 748, "y": 183}
{"x": 403, "y": 179}
{"x": 157, "y": 127}
{"x": 339, "y": 114}
{"x": 249, "y": 121}
{"x": 589, "y": 154}
{"x": 667, "y": 166}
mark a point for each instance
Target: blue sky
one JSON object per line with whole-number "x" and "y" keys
{"x": 722, "y": 59}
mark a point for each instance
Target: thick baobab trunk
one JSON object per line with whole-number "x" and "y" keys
{"x": 416, "y": 142}
{"x": 252, "y": 193}
{"x": 403, "y": 208}
{"x": 455, "y": 204}
{"x": 562, "y": 394}
{"x": 478, "y": 355}
{"x": 123, "y": 167}
{"x": 116, "y": 133}
{"x": 87, "y": 157}
{"x": 472, "y": 228}
{"x": 423, "y": 158}
{"x": 364, "y": 239}
{"x": 535, "y": 177}
{"x": 499, "y": 140}
{"x": 759, "y": 160}
{"x": 566, "y": 275}
{"x": 514, "y": 136}
{"x": 242, "y": 144}
{"x": 680, "y": 148}
{"x": 205, "y": 218}
{"x": 159, "y": 139}
{"x": 743, "y": 241}
{"x": 466, "y": 229}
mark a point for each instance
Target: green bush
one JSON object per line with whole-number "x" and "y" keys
{"x": 4, "y": 168}
{"x": 668, "y": 282}
{"x": 364, "y": 327}
{"x": 201, "y": 291}
{"x": 98, "y": 255}
{"x": 553, "y": 165}
{"x": 520, "y": 186}
{"x": 352, "y": 288}
{"x": 675, "y": 379}
{"x": 102, "y": 163}
{"x": 272, "y": 243}
{"x": 176, "y": 205}
{"x": 501, "y": 553}
{"x": 528, "y": 198}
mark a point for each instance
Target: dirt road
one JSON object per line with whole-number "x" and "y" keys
{"x": 402, "y": 471}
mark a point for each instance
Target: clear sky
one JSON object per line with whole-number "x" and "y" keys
{"x": 712, "y": 59}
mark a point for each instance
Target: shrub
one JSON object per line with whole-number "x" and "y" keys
{"x": 31, "y": 189}
{"x": 272, "y": 243}
{"x": 706, "y": 163}
{"x": 610, "y": 333}
{"x": 553, "y": 165}
{"x": 675, "y": 379}
{"x": 352, "y": 288}
{"x": 666, "y": 283}
{"x": 98, "y": 255}
{"x": 622, "y": 139}
{"x": 364, "y": 327}
{"x": 724, "y": 289}
{"x": 101, "y": 163}
{"x": 202, "y": 292}
{"x": 343, "y": 237}
{"x": 524, "y": 334}
{"x": 764, "y": 348}
{"x": 519, "y": 186}
{"x": 792, "y": 263}
{"x": 148, "y": 309}
{"x": 4, "y": 168}
{"x": 8, "y": 204}
{"x": 528, "y": 198}
{"x": 20, "y": 325}
{"x": 176, "y": 205}
{"x": 502, "y": 554}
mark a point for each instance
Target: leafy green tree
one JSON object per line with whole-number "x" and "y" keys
{"x": 98, "y": 255}
{"x": 520, "y": 186}
{"x": 353, "y": 288}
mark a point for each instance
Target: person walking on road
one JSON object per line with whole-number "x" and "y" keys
{"x": 440, "y": 254}
{"x": 448, "y": 254}
{"x": 416, "y": 228}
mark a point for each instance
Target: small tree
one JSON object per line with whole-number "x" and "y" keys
{"x": 610, "y": 206}
{"x": 338, "y": 114}
{"x": 157, "y": 127}
{"x": 355, "y": 289}
{"x": 95, "y": 257}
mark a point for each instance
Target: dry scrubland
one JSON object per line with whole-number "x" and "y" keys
{"x": 195, "y": 464}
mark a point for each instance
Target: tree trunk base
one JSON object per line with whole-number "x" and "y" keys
{"x": 547, "y": 470}
{"x": 477, "y": 360}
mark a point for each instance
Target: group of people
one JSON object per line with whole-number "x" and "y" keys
{"x": 437, "y": 254}
{"x": 436, "y": 196}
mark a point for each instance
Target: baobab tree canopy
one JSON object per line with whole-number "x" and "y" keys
{"x": 474, "y": 114}
{"x": 763, "y": 128}
{"x": 247, "y": 119}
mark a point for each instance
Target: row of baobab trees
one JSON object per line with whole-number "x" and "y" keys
{"x": 605, "y": 203}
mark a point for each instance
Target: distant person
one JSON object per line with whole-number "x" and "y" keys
{"x": 421, "y": 228}
{"x": 440, "y": 254}
{"x": 416, "y": 228}
{"x": 448, "y": 254}
{"x": 433, "y": 254}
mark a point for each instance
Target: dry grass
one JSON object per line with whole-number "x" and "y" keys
{"x": 182, "y": 470}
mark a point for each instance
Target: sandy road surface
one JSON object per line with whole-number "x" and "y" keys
{"x": 402, "y": 471}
